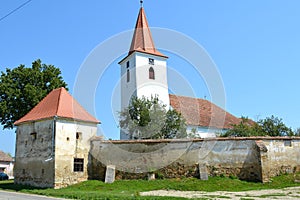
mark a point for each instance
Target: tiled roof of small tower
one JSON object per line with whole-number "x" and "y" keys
{"x": 142, "y": 38}
{"x": 4, "y": 157}
{"x": 58, "y": 103}
{"x": 200, "y": 112}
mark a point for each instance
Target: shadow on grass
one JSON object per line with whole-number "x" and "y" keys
{"x": 9, "y": 185}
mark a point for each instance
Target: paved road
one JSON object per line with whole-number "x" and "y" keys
{"x": 19, "y": 196}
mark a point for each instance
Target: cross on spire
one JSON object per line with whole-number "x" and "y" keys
{"x": 141, "y": 1}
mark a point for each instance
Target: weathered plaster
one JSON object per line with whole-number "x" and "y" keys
{"x": 47, "y": 160}
{"x": 32, "y": 166}
{"x": 68, "y": 147}
{"x": 255, "y": 159}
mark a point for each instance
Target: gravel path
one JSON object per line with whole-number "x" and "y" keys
{"x": 286, "y": 193}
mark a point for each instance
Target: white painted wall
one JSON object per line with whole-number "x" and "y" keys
{"x": 128, "y": 89}
{"x": 8, "y": 168}
{"x": 148, "y": 87}
{"x": 140, "y": 85}
{"x": 68, "y": 147}
{"x": 204, "y": 132}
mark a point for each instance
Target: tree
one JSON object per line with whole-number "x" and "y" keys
{"x": 22, "y": 88}
{"x": 245, "y": 128}
{"x": 148, "y": 119}
{"x": 175, "y": 126}
{"x": 271, "y": 126}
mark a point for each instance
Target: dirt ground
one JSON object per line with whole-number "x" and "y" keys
{"x": 286, "y": 193}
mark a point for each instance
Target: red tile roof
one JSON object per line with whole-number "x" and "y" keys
{"x": 4, "y": 157}
{"x": 142, "y": 39}
{"x": 58, "y": 103}
{"x": 200, "y": 112}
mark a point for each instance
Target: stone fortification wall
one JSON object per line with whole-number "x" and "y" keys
{"x": 34, "y": 150}
{"x": 279, "y": 156}
{"x": 254, "y": 159}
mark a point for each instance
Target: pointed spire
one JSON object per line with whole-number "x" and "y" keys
{"x": 142, "y": 39}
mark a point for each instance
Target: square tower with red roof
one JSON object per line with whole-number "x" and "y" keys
{"x": 53, "y": 142}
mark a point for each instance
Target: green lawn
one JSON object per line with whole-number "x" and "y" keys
{"x": 130, "y": 189}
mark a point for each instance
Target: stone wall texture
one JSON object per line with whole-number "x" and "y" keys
{"x": 253, "y": 159}
{"x": 34, "y": 148}
{"x": 281, "y": 157}
{"x": 45, "y": 152}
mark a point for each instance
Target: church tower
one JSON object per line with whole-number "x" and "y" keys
{"x": 144, "y": 69}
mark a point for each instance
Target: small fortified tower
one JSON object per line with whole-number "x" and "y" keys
{"x": 144, "y": 69}
{"x": 53, "y": 142}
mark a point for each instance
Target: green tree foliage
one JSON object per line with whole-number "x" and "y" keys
{"x": 22, "y": 88}
{"x": 175, "y": 126}
{"x": 297, "y": 132}
{"x": 244, "y": 129}
{"x": 148, "y": 119}
{"x": 271, "y": 126}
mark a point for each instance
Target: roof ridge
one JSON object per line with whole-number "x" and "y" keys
{"x": 58, "y": 101}
{"x": 142, "y": 29}
{"x": 192, "y": 98}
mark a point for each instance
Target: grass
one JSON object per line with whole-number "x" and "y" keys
{"x": 217, "y": 196}
{"x": 130, "y": 189}
{"x": 272, "y": 195}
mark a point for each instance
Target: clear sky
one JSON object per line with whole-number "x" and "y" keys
{"x": 254, "y": 44}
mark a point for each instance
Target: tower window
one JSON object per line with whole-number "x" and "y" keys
{"x": 128, "y": 75}
{"x": 78, "y": 164}
{"x": 151, "y": 73}
{"x": 78, "y": 135}
{"x": 34, "y": 135}
{"x": 151, "y": 61}
{"x": 128, "y": 72}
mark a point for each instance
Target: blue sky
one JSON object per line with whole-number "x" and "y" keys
{"x": 254, "y": 44}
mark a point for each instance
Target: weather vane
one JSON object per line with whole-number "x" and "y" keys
{"x": 141, "y": 1}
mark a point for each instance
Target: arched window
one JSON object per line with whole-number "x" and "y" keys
{"x": 128, "y": 75}
{"x": 151, "y": 73}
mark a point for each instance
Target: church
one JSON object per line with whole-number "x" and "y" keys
{"x": 53, "y": 140}
{"x": 144, "y": 73}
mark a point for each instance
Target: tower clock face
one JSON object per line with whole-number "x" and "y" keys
{"x": 151, "y": 61}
